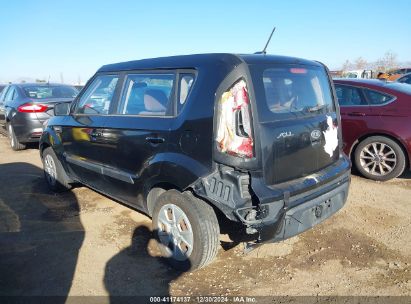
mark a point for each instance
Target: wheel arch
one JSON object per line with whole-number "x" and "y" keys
{"x": 154, "y": 192}
{"x": 390, "y": 136}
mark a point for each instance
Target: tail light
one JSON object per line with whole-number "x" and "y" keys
{"x": 32, "y": 108}
{"x": 234, "y": 127}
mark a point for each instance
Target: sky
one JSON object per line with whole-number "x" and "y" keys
{"x": 70, "y": 40}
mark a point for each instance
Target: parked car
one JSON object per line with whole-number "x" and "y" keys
{"x": 24, "y": 108}
{"x": 358, "y": 74}
{"x": 393, "y": 75}
{"x": 376, "y": 125}
{"x": 2, "y": 86}
{"x": 405, "y": 79}
{"x": 253, "y": 137}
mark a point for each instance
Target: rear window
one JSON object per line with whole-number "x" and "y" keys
{"x": 42, "y": 92}
{"x": 147, "y": 94}
{"x": 293, "y": 89}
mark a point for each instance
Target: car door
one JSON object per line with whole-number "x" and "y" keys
{"x": 356, "y": 114}
{"x": 3, "y": 109}
{"x": 81, "y": 131}
{"x": 136, "y": 135}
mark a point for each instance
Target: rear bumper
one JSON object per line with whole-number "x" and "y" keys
{"x": 298, "y": 219}
{"x": 282, "y": 218}
{"x": 27, "y": 127}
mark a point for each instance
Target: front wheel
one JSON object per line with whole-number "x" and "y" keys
{"x": 187, "y": 230}
{"x": 379, "y": 158}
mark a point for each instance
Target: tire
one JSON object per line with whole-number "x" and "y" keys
{"x": 56, "y": 178}
{"x": 379, "y": 158}
{"x": 197, "y": 217}
{"x": 15, "y": 144}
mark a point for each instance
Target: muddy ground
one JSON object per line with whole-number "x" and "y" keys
{"x": 83, "y": 243}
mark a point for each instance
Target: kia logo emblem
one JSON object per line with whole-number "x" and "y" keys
{"x": 316, "y": 134}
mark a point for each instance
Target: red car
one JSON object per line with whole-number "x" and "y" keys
{"x": 376, "y": 125}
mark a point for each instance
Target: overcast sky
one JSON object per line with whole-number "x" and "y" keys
{"x": 72, "y": 39}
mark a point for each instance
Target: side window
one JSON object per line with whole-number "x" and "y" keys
{"x": 148, "y": 95}
{"x": 3, "y": 94}
{"x": 98, "y": 96}
{"x": 186, "y": 82}
{"x": 377, "y": 98}
{"x": 11, "y": 93}
{"x": 349, "y": 96}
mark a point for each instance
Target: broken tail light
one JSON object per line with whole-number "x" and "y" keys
{"x": 234, "y": 126}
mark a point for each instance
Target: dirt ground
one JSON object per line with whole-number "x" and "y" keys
{"x": 83, "y": 243}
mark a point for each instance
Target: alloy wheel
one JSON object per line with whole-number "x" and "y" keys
{"x": 378, "y": 159}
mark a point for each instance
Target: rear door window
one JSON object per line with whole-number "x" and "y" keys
{"x": 349, "y": 96}
{"x": 148, "y": 95}
{"x": 98, "y": 96}
{"x": 303, "y": 90}
{"x": 3, "y": 94}
{"x": 11, "y": 95}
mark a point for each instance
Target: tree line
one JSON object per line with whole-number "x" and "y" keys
{"x": 388, "y": 61}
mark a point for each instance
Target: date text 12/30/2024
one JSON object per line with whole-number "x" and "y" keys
{"x": 203, "y": 299}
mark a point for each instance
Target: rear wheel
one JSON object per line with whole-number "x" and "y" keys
{"x": 379, "y": 158}
{"x": 14, "y": 142}
{"x": 187, "y": 230}
{"x": 54, "y": 173}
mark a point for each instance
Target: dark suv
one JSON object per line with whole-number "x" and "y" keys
{"x": 254, "y": 137}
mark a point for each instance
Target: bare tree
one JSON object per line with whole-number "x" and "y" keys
{"x": 360, "y": 63}
{"x": 387, "y": 62}
{"x": 347, "y": 65}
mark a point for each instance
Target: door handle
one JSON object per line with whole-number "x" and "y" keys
{"x": 356, "y": 114}
{"x": 155, "y": 140}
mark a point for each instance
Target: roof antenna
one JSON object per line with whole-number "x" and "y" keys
{"x": 264, "y": 51}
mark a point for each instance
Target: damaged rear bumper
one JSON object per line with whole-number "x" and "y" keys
{"x": 282, "y": 219}
{"x": 280, "y": 211}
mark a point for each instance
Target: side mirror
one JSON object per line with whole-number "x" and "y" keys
{"x": 62, "y": 109}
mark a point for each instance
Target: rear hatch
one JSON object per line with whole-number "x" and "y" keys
{"x": 297, "y": 120}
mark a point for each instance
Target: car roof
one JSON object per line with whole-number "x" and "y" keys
{"x": 201, "y": 60}
{"x": 361, "y": 81}
{"x": 39, "y": 84}
{"x": 381, "y": 85}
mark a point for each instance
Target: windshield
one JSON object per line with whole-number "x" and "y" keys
{"x": 292, "y": 89}
{"x": 42, "y": 92}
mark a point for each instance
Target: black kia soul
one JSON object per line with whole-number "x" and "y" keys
{"x": 257, "y": 137}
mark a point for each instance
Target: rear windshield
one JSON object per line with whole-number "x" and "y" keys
{"x": 42, "y": 92}
{"x": 297, "y": 89}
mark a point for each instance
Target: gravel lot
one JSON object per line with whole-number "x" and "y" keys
{"x": 83, "y": 243}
